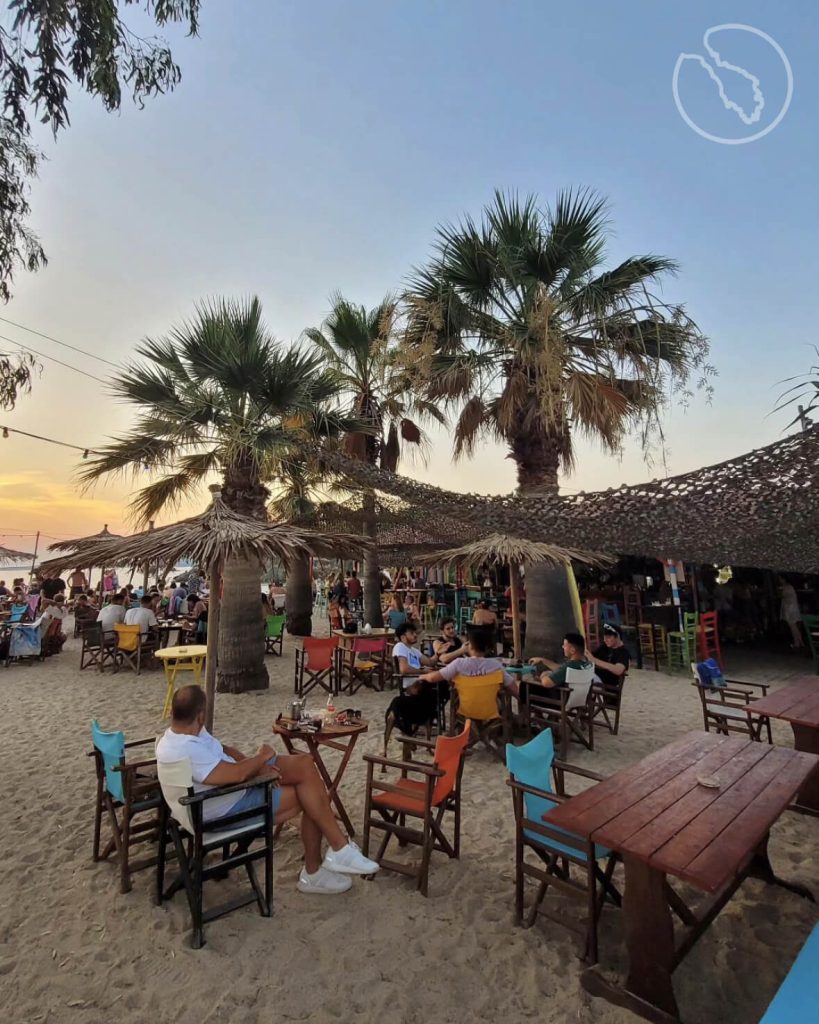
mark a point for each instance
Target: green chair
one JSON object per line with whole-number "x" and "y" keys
{"x": 274, "y": 634}
{"x": 811, "y": 624}
{"x": 682, "y": 644}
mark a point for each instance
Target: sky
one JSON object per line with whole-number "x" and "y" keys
{"x": 313, "y": 146}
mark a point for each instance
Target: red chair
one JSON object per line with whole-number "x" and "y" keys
{"x": 316, "y": 665}
{"x": 709, "y": 638}
{"x": 368, "y": 664}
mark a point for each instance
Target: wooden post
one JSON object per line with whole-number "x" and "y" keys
{"x": 34, "y": 557}
{"x": 514, "y": 593}
{"x": 147, "y": 565}
{"x": 214, "y": 609}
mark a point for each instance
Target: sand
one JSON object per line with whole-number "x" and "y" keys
{"x": 72, "y": 949}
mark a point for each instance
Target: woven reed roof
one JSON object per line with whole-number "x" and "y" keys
{"x": 216, "y": 532}
{"x": 499, "y": 549}
{"x": 8, "y": 556}
{"x": 82, "y": 542}
{"x": 760, "y": 509}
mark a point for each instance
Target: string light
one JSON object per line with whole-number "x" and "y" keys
{"x": 51, "y": 440}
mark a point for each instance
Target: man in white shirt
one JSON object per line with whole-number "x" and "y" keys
{"x": 301, "y": 791}
{"x": 111, "y": 614}
{"x": 143, "y": 616}
{"x": 409, "y": 658}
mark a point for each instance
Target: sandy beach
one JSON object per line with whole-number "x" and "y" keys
{"x": 72, "y": 949}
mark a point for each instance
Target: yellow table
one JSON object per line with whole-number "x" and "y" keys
{"x": 190, "y": 658}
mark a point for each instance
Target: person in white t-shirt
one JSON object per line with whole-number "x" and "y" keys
{"x": 111, "y": 614}
{"x": 301, "y": 791}
{"x": 143, "y": 616}
{"x": 410, "y": 660}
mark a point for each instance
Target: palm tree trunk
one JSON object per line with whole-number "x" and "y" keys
{"x": 298, "y": 599}
{"x": 241, "y": 629}
{"x": 372, "y": 570}
{"x": 549, "y": 612}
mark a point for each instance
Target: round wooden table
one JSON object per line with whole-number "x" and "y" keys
{"x": 336, "y": 737}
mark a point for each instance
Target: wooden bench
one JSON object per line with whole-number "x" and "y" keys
{"x": 798, "y": 995}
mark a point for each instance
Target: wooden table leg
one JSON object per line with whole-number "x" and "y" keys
{"x": 649, "y": 936}
{"x": 807, "y": 738}
{"x": 332, "y": 783}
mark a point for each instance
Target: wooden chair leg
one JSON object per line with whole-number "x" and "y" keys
{"x": 590, "y": 953}
{"x": 124, "y": 860}
{"x": 97, "y": 818}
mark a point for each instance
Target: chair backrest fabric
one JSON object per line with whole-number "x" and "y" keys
{"x": 364, "y": 645}
{"x": 448, "y": 756}
{"x": 531, "y": 765}
{"x": 176, "y": 781}
{"x": 274, "y": 626}
{"x": 579, "y": 682}
{"x": 478, "y": 695}
{"x": 127, "y": 636}
{"x": 17, "y": 612}
{"x": 111, "y": 746}
{"x": 319, "y": 652}
{"x": 33, "y": 604}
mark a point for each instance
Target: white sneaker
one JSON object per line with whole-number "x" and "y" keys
{"x": 349, "y": 860}
{"x": 324, "y": 882}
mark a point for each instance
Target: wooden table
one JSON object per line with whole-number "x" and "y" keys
{"x": 346, "y": 642}
{"x": 190, "y": 658}
{"x": 664, "y": 823}
{"x": 336, "y": 737}
{"x": 798, "y": 704}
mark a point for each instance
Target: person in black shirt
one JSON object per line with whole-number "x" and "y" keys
{"x": 611, "y": 659}
{"x": 52, "y": 586}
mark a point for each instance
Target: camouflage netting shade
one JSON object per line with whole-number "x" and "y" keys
{"x": 760, "y": 509}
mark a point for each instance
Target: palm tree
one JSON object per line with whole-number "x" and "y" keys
{"x": 220, "y": 396}
{"x": 359, "y": 347}
{"x": 516, "y": 321}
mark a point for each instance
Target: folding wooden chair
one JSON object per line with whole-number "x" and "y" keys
{"x": 434, "y": 798}
{"x": 569, "y": 712}
{"x": 368, "y": 666}
{"x": 569, "y": 865}
{"x": 482, "y": 701}
{"x": 128, "y": 793}
{"x": 130, "y": 647}
{"x": 606, "y": 702}
{"x": 316, "y": 665}
{"x": 725, "y": 705}
{"x": 98, "y": 648}
{"x": 194, "y": 840}
{"x": 274, "y": 634}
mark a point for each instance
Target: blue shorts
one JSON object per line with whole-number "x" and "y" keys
{"x": 250, "y": 799}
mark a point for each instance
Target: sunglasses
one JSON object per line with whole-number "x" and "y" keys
{"x": 350, "y": 713}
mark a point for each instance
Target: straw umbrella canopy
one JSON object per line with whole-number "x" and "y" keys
{"x": 208, "y": 539}
{"x": 10, "y": 557}
{"x": 80, "y": 545}
{"x": 500, "y": 549}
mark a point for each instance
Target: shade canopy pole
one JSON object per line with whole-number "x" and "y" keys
{"x": 214, "y": 611}
{"x": 514, "y": 593}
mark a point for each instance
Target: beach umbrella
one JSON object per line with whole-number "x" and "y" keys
{"x": 208, "y": 539}
{"x": 81, "y": 544}
{"x": 11, "y": 557}
{"x": 500, "y": 549}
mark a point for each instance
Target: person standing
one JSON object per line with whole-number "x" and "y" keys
{"x": 77, "y": 583}
{"x": 790, "y": 612}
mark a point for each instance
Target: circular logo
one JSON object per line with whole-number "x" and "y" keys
{"x": 749, "y": 118}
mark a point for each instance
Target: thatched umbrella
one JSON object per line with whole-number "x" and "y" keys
{"x": 208, "y": 539}
{"x": 80, "y": 545}
{"x": 11, "y": 557}
{"x": 500, "y": 549}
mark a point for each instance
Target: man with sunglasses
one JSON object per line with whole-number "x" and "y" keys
{"x": 611, "y": 659}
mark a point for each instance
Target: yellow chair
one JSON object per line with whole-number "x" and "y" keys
{"x": 482, "y": 701}
{"x": 129, "y": 646}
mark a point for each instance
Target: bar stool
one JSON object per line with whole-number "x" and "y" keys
{"x": 682, "y": 644}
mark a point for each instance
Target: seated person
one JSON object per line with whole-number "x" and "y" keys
{"x": 143, "y": 616}
{"x": 416, "y": 704}
{"x": 448, "y": 646}
{"x": 483, "y": 615}
{"x": 574, "y": 651}
{"x": 84, "y": 611}
{"x": 111, "y": 614}
{"x": 479, "y": 661}
{"x": 611, "y": 659}
{"x": 395, "y": 614}
{"x": 301, "y": 791}
{"x": 55, "y": 609}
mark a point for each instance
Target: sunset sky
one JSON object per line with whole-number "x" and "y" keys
{"x": 313, "y": 147}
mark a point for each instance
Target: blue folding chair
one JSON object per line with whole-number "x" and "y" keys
{"x": 129, "y": 794}
{"x": 558, "y": 850}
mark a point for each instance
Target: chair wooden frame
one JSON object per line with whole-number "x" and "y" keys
{"x": 555, "y": 869}
{"x": 192, "y": 849}
{"x": 374, "y": 668}
{"x": 326, "y": 677}
{"x": 431, "y": 835}
{"x": 606, "y": 702}
{"x": 128, "y": 653}
{"x": 540, "y": 711}
{"x": 97, "y": 647}
{"x": 725, "y": 708}
{"x": 128, "y": 827}
{"x": 492, "y": 733}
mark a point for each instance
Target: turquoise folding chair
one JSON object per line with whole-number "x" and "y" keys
{"x": 18, "y": 611}
{"x": 559, "y": 851}
{"x": 126, "y": 793}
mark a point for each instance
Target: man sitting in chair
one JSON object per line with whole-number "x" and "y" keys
{"x": 574, "y": 651}
{"x": 301, "y": 791}
{"x": 478, "y": 661}
{"x": 611, "y": 659}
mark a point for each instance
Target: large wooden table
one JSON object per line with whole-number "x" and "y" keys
{"x": 335, "y": 737}
{"x": 798, "y": 704}
{"x": 664, "y": 823}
